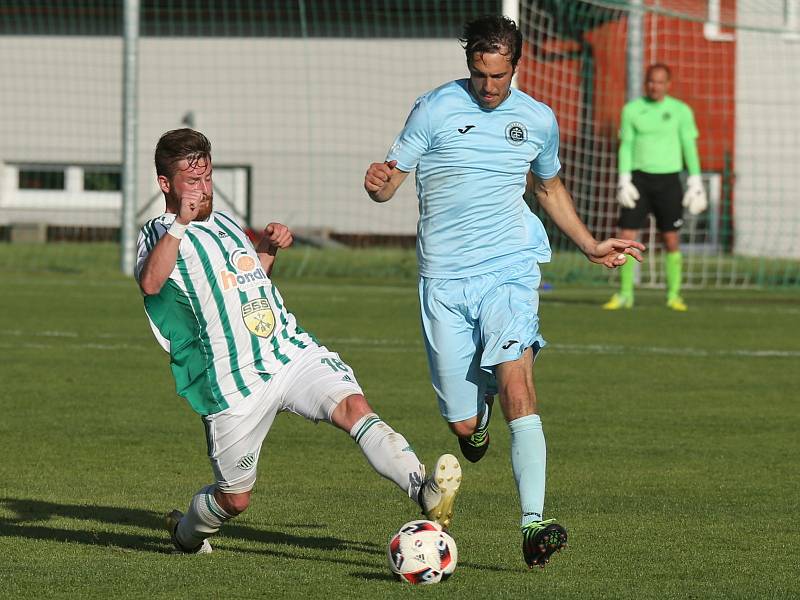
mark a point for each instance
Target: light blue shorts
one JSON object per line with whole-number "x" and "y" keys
{"x": 470, "y": 325}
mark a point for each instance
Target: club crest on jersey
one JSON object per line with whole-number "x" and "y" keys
{"x": 249, "y": 273}
{"x": 516, "y": 133}
{"x": 258, "y": 317}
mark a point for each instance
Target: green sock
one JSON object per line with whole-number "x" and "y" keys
{"x": 626, "y": 273}
{"x": 674, "y": 267}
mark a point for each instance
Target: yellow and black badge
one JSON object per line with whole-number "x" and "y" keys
{"x": 258, "y": 317}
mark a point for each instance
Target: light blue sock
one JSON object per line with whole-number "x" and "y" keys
{"x": 528, "y": 460}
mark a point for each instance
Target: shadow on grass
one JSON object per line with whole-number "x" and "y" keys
{"x": 30, "y": 517}
{"x": 375, "y": 576}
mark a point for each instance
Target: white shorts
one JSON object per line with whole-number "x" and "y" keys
{"x": 312, "y": 386}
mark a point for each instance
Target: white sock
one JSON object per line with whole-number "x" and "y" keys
{"x": 389, "y": 453}
{"x": 202, "y": 520}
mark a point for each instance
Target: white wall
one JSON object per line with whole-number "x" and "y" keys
{"x": 767, "y": 161}
{"x": 308, "y": 116}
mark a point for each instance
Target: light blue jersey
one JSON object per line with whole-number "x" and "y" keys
{"x": 471, "y": 166}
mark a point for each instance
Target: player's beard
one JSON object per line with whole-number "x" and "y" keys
{"x": 206, "y": 206}
{"x": 203, "y": 212}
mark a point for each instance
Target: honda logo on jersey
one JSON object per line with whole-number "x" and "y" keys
{"x": 248, "y": 274}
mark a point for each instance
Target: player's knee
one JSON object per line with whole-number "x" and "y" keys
{"x": 233, "y": 504}
{"x": 356, "y": 405}
{"x": 464, "y": 429}
{"x": 350, "y": 410}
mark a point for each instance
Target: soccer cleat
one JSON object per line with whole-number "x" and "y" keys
{"x": 677, "y": 304}
{"x": 171, "y": 523}
{"x": 438, "y": 494}
{"x": 540, "y": 540}
{"x": 475, "y": 446}
{"x": 618, "y": 301}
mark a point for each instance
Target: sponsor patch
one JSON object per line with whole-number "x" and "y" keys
{"x": 258, "y": 317}
{"x": 248, "y": 273}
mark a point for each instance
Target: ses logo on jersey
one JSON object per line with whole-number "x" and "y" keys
{"x": 249, "y": 273}
{"x": 258, "y": 317}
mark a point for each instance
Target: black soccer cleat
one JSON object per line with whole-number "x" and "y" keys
{"x": 540, "y": 540}
{"x": 475, "y": 446}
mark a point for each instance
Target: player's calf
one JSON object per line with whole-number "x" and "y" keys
{"x": 389, "y": 453}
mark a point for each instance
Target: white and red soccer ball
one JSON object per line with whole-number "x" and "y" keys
{"x": 422, "y": 553}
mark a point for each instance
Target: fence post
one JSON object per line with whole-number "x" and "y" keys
{"x": 129, "y": 127}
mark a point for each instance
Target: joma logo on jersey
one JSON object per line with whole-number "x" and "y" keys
{"x": 258, "y": 317}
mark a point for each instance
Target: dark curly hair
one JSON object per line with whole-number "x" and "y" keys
{"x": 492, "y": 34}
{"x": 177, "y": 145}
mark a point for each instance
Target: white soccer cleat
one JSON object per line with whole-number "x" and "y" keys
{"x": 438, "y": 494}
{"x": 171, "y": 521}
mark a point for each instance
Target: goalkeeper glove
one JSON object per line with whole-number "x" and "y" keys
{"x": 627, "y": 194}
{"x": 695, "y": 197}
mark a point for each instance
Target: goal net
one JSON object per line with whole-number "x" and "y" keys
{"x": 737, "y": 64}
{"x": 298, "y": 97}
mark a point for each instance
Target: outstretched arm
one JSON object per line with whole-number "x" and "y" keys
{"x": 554, "y": 198}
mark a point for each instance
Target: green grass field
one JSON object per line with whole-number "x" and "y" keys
{"x": 673, "y": 447}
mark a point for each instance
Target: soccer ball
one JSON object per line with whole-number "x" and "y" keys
{"x": 422, "y": 553}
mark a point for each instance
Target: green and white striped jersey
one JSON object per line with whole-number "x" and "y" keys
{"x": 218, "y": 315}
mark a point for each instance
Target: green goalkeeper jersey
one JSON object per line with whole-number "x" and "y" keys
{"x": 218, "y": 315}
{"x": 658, "y": 137}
